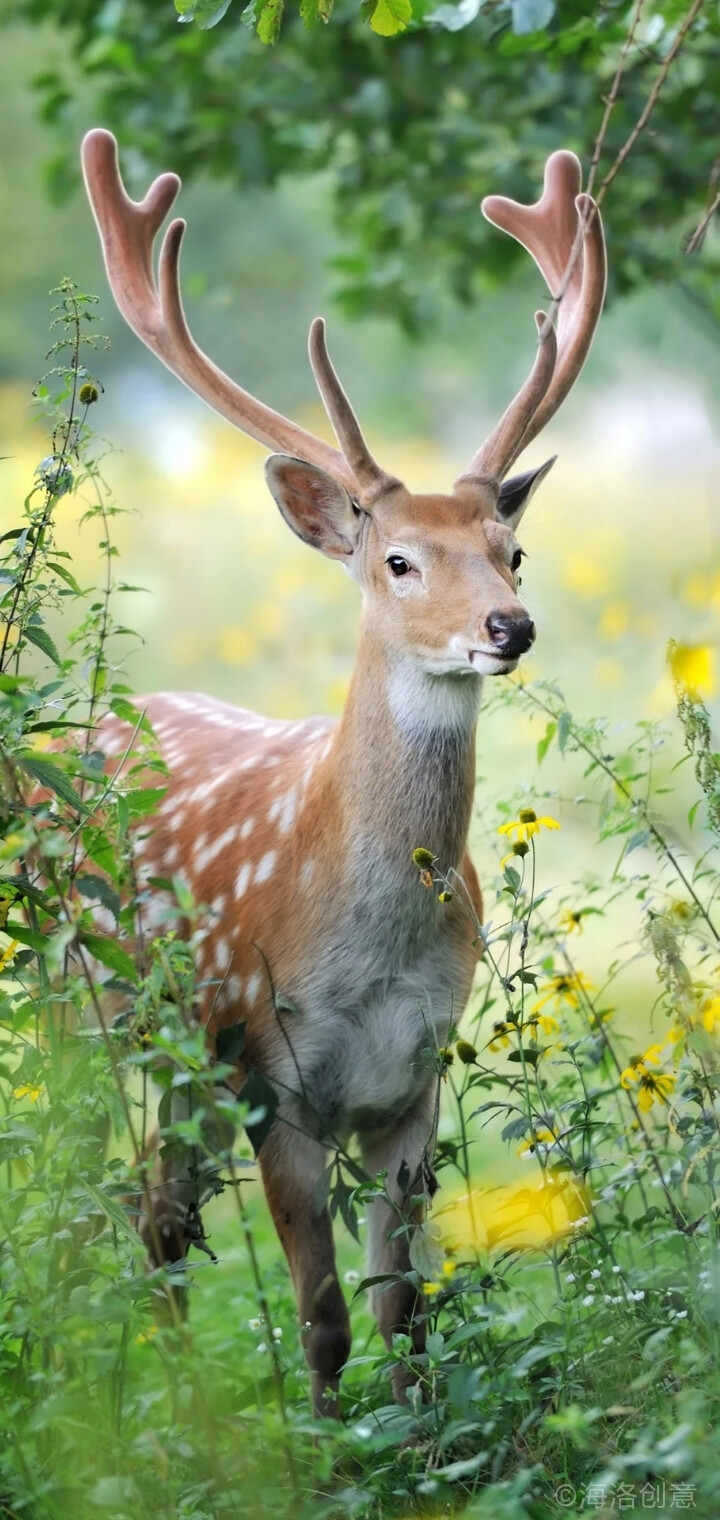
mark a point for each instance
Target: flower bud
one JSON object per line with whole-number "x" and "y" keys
{"x": 466, "y": 1052}
{"x": 520, "y": 847}
{"x": 445, "y": 896}
{"x": 423, "y": 858}
{"x": 88, "y": 393}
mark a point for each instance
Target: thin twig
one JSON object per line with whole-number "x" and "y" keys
{"x": 696, "y": 240}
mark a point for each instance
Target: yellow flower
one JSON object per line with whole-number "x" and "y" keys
{"x": 449, "y": 1267}
{"x": 571, "y": 921}
{"x": 145, "y": 1336}
{"x": 709, "y": 1015}
{"x": 501, "y": 1035}
{"x": 653, "y": 1086}
{"x": 539, "y": 1137}
{"x": 431, "y": 1288}
{"x": 31, "y": 1090}
{"x": 520, "y": 848}
{"x": 9, "y": 953}
{"x": 514, "y": 1216}
{"x": 547, "y": 1023}
{"x": 692, "y": 667}
{"x": 567, "y": 987}
{"x": 527, "y": 823}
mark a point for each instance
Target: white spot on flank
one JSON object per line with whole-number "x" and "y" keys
{"x": 287, "y": 812}
{"x": 218, "y": 906}
{"x": 222, "y": 955}
{"x": 247, "y": 828}
{"x": 252, "y": 989}
{"x": 205, "y": 856}
{"x": 234, "y": 987}
{"x": 243, "y": 879}
{"x": 307, "y": 872}
{"x": 266, "y": 867}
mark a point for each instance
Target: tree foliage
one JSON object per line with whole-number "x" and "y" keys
{"x": 412, "y": 130}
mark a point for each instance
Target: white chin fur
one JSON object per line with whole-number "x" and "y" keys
{"x": 491, "y": 664}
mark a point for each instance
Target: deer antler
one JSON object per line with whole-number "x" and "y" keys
{"x": 154, "y": 311}
{"x": 563, "y": 232}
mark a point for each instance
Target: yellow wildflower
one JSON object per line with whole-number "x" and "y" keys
{"x": 449, "y": 1267}
{"x": 539, "y": 1137}
{"x": 527, "y": 823}
{"x": 709, "y": 1015}
{"x": 653, "y": 1086}
{"x": 31, "y": 1090}
{"x": 570, "y": 922}
{"x": 692, "y": 667}
{"x": 501, "y": 1035}
{"x": 145, "y": 1336}
{"x": 9, "y": 953}
{"x": 519, "y": 849}
{"x": 547, "y": 1023}
{"x": 567, "y": 987}
{"x": 431, "y": 1288}
{"x": 514, "y": 1216}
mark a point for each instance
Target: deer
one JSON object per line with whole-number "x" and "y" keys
{"x": 299, "y": 836}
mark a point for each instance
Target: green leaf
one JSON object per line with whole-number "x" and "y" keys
{"x": 230, "y": 1043}
{"x": 36, "y": 634}
{"x": 426, "y": 1253}
{"x": 37, "y": 942}
{"x": 110, "y": 954}
{"x": 269, "y": 14}
{"x": 388, "y": 17}
{"x": 563, "y": 730}
{"x": 546, "y": 741}
{"x": 53, "y": 778}
{"x": 531, "y": 15}
{"x": 97, "y": 889}
{"x": 259, "y": 1095}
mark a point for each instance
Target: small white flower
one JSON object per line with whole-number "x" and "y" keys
{"x": 617, "y": 1269}
{"x": 596, "y": 1272}
{"x": 680, "y": 1314}
{"x": 570, "y": 1277}
{"x": 351, "y": 1277}
{"x": 277, "y": 1333}
{"x": 261, "y": 1346}
{"x": 608, "y": 1340}
{"x": 588, "y": 1301}
{"x": 255, "y": 1324}
{"x": 577, "y": 1224}
{"x": 638, "y": 1295}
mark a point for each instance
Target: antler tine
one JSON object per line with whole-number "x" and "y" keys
{"x": 494, "y": 459}
{"x": 346, "y": 427}
{"x": 563, "y": 232}
{"x": 127, "y": 232}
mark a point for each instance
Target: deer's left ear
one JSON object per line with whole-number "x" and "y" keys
{"x": 314, "y": 505}
{"x": 515, "y": 493}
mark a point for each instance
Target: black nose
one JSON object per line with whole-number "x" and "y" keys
{"x": 512, "y": 636}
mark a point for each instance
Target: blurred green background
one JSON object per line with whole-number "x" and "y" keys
{"x": 622, "y": 540}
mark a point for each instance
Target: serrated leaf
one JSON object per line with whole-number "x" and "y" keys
{"x": 563, "y": 730}
{"x": 546, "y": 741}
{"x": 230, "y": 1043}
{"x": 97, "y": 889}
{"x": 65, "y": 576}
{"x": 110, "y": 954}
{"x": 53, "y": 778}
{"x": 389, "y": 17}
{"x": 39, "y": 636}
{"x": 269, "y": 14}
{"x": 426, "y": 1252}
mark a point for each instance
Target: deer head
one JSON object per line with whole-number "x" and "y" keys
{"x": 438, "y": 573}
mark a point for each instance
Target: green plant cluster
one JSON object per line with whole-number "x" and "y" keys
{"x": 572, "y": 1357}
{"x": 412, "y": 131}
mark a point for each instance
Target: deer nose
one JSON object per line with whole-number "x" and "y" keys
{"x": 512, "y": 636}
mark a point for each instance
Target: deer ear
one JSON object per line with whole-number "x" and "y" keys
{"x": 515, "y": 493}
{"x": 314, "y": 505}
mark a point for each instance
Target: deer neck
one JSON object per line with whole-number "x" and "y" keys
{"x": 404, "y": 759}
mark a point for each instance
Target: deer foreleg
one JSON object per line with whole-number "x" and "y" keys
{"x": 292, "y": 1166}
{"x": 403, "y": 1152}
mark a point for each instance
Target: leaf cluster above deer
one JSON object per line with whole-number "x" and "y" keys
{"x": 298, "y": 837}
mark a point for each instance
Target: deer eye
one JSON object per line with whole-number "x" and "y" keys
{"x": 517, "y": 560}
{"x": 398, "y": 565}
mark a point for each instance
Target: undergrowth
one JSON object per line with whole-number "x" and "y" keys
{"x": 572, "y": 1356}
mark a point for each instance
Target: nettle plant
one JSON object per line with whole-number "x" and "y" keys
{"x": 573, "y": 1320}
